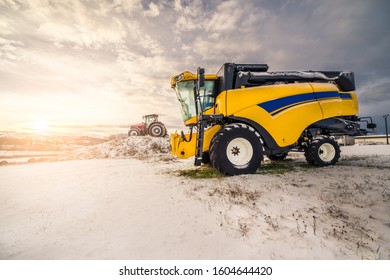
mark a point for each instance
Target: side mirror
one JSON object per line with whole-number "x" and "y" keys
{"x": 371, "y": 125}
{"x": 200, "y": 77}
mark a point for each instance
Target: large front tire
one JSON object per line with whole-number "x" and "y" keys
{"x": 236, "y": 149}
{"x": 323, "y": 151}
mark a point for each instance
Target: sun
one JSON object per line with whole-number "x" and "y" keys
{"x": 40, "y": 125}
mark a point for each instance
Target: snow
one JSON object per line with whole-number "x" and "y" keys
{"x": 147, "y": 147}
{"x": 301, "y": 74}
{"x": 124, "y": 199}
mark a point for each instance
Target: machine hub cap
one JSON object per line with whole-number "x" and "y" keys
{"x": 156, "y": 130}
{"x": 239, "y": 151}
{"x": 326, "y": 152}
{"x": 235, "y": 151}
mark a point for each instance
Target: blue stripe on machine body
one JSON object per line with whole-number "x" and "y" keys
{"x": 345, "y": 96}
{"x": 278, "y": 105}
{"x": 327, "y": 94}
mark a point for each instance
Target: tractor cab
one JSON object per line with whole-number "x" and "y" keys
{"x": 147, "y": 120}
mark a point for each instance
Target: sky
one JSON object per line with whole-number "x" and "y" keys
{"x": 94, "y": 67}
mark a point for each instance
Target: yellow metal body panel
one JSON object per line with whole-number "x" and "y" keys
{"x": 184, "y": 149}
{"x": 286, "y": 110}
{"x": 240, "y": 99}
{"x": 350, "y": 107}
{"x": 286, "y": 126}
{"x": 330, "y": 106}
{"x": 220, "y": 104}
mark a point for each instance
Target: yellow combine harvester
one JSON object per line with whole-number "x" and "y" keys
{"x": 244, "y": 112}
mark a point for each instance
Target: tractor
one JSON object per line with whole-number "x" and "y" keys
{"x": 243, "y": 113}
{"x": 149, "y": 126}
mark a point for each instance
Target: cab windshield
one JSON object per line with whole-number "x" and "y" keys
{"x": 185, "y": 92}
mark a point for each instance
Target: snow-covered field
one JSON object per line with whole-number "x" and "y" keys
{"x": 129, "y": 199}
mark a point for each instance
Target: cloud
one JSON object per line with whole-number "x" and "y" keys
{"x": 10, "y": 4}
{"x": 9, "y": 51}
{"x": 127, "y": 7}
{"x": 75, "y": 23}
{"x": 153, "y": 10}
{"x": 4, "y": 25}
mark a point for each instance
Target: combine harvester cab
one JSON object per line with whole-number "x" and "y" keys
{"x": 245, "y": 112}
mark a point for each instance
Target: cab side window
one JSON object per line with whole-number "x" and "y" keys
{"x": 208, "y": 97}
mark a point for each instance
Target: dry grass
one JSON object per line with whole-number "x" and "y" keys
{"x": 235, "y": 194}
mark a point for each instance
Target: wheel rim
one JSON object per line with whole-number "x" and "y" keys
{"x": 156, "y": 130}
{"x": 327, "y": 152}
{"x": 133, "y": 133}
{"x": 239, "y": 151}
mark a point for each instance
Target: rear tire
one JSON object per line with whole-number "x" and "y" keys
{"x": 323, "y": 151}
{"x": 236, "y": 149}
{"x": 134, "y": 132}
{"x": 157, "y": 129}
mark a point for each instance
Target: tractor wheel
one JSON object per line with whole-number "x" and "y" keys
{"x": 236, "y": 149}
{"x": 278, "y": 157}
{"x": 323, "y": 151}
{"x": 157, "y": 129}
{"x": 134, "y": 132}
